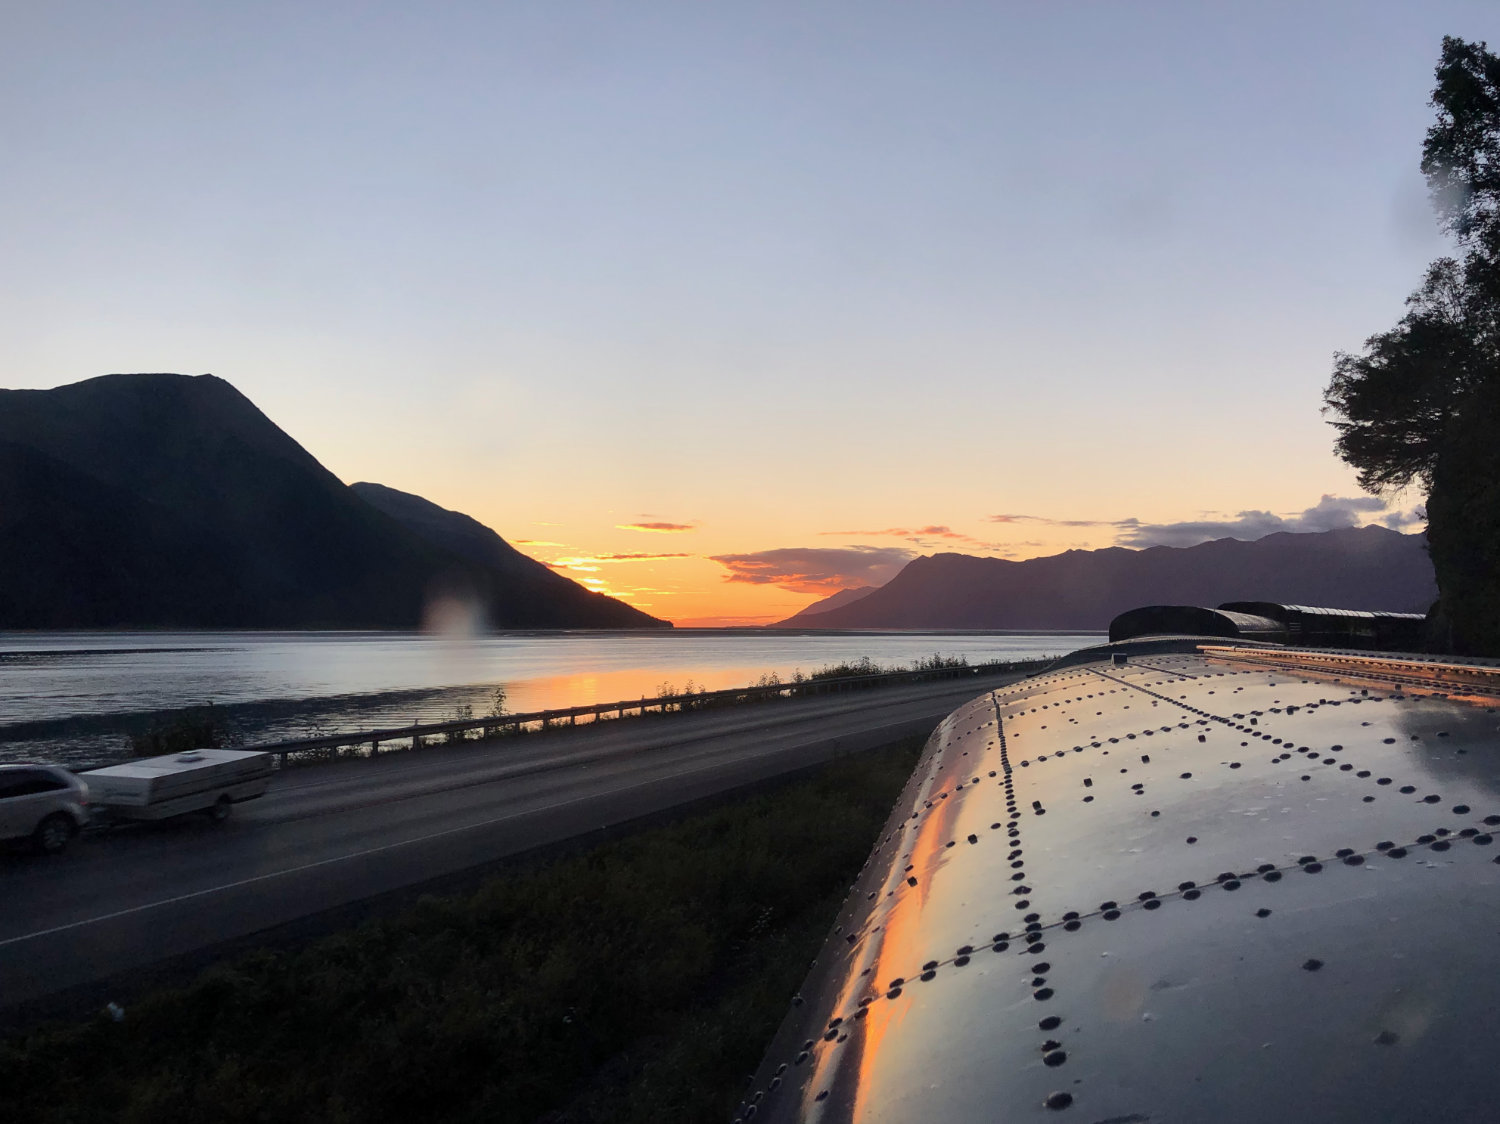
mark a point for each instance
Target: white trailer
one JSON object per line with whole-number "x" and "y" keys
{"x": 201, "y": 780}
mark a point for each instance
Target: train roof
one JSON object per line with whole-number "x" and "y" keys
{"x": 1233, "y": 884}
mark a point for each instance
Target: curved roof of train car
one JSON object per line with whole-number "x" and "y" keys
{"x": 1194, "y": 887}
{"x": 1279, "y": 612}
{"x": 1169, "y": 620}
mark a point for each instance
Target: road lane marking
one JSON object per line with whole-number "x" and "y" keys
{"x": 8, "y": 941}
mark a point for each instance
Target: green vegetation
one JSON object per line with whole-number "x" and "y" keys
{"x": 866, "y": 666}
{"x": 1420, "y": 404}
{"x": 194, "y": 728}
{"x": 637, "y": 981}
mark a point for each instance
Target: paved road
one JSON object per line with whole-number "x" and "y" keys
{"x": 329, "y": 835}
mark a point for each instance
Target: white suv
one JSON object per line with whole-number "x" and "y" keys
{"x": 44, "y": 803}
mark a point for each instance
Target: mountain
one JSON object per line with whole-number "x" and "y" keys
{"x": 150, "y": 501}
{"x": 803, "y": 617}
{"x": 464, "y": 537}
{"x": 1357, "y": 568}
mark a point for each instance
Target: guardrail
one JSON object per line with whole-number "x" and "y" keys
{"x": 496, "y": 725}
{"x": 1439, "y": 675}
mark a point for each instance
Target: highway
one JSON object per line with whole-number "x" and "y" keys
{"x": 329, "y": 835}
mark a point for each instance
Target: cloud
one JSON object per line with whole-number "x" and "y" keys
{"x": 1398, "y": 519}
{"x": 925, "y": 537}
{"x": 816, "y": 569}
{"x": 1331, "y": 513}
{"x": 588, "y": 559}
{"x": 1059, "y": 522}
{"x": 905, "y": 532}
{"x": 657, "y": 528}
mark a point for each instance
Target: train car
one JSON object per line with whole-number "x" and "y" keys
{"x": 1313, "y": 626}
{"x": 1211, "y": 884}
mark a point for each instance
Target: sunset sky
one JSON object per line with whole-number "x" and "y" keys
{"x": 722, "y": 307}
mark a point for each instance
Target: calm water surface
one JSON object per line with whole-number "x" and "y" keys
{"x": 74, "y": 697}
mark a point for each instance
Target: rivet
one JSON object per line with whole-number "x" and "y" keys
{"x": 1312, "y": 965}
{"x": 1263, "y": 912}
{"x": 1058, "y": 1100}
{"x": 1051, "y": 1022}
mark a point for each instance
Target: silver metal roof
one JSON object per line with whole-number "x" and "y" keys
{"x": 1190, "y": 888}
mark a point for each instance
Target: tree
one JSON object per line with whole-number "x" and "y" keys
{"x": 1421, "y": 404}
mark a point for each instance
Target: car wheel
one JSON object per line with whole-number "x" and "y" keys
{"x": 53, "y": 833}
{"x": 220, "y": 811}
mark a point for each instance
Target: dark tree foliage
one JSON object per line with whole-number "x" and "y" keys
{"x": 1421, "y": 403}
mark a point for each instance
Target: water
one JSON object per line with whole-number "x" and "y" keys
{"x": 74, "y": 697}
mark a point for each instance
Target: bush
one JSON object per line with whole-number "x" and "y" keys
{"x": 196, "y": 728}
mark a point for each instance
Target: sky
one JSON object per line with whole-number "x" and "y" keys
{"x": 724, "y": 307}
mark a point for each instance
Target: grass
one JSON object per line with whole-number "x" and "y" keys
{"x": 636, "y": 981}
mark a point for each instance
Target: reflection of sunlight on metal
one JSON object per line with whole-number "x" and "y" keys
{"x": 1415, "y": 671}
{"x": 900, "y": 949}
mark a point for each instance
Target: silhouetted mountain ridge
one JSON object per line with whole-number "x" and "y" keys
{"x": 1358, "y": 568}
{"x": 165, "y": 500}
{"x": 804, "y": 617}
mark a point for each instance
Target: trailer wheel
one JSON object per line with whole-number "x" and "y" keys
{"x": 53, "y": 833}
{"x": 220, "y": 811}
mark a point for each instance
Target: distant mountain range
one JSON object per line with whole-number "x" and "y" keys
{"x": 155, "y": 501}
{"x": 805, "y": 617}
{"x": 1359, "y": 568}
